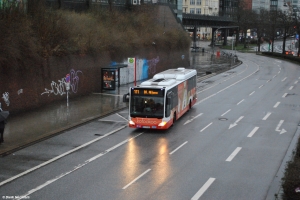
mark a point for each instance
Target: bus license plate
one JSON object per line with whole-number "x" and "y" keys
{"x": 146, "y": 126}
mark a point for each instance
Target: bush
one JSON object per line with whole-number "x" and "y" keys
{"x": 46, "y": 32}
{"x": 291, "y": 179}
{"x": 18, "y": 40}
{"x": 280, "y": 55}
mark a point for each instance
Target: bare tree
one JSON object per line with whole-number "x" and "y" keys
{"x": 261, "y": 22}
{"x": 296, "y": 19}
{"x": 110, "y": 5}
{"x": 267, "y": 23}
{"x": 286, "y": 22}
{"x": 249, "y": 23}
{"x": 273, "y": 15}
{"x": 241, "y": 19}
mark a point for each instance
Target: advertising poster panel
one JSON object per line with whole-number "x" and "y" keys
{"x": 109, "y": 79}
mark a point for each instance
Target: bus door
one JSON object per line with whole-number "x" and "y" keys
{"x": 169, "y": 103}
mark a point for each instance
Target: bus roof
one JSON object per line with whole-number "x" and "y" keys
{"x": 169, "y": 77}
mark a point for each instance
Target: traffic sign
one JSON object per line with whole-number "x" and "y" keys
{"x": 68, "y": 78}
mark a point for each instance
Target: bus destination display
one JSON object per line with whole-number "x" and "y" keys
{"x": 147, "y": 92}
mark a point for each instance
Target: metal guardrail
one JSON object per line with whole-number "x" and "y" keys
{"x": 227, "y": 54}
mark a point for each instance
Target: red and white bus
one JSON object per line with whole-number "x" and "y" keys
{"x": 157, "y": 103}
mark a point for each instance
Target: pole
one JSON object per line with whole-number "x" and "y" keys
{"x": 67, "y": 87}
{"x": 67, "y": 97}
{"x": 134, "y": 71}
{"x": 233, "y": 41}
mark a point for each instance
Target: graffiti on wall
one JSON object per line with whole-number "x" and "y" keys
{"x": 74, "y": 80}
{"x": 5, "y": 97}
{"x": 20, "y": 91}
{"x": 144, "y": 68}
{"x": 59, "y": 88}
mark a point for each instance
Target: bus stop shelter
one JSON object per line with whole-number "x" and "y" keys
{"x": 110, "y": 76}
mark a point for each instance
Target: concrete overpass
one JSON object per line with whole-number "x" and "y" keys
{"x": 193, "y": 21}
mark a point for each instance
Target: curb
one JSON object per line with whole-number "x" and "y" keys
{"x": 275, "y": 191}
{"x": 74, "y": 125}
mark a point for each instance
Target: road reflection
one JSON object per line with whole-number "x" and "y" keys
{"x": 162, "y": 166}
{"x": 159, "y": 164}
{"x": 130, "y": 166}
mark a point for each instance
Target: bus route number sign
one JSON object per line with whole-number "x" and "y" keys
{"x": 148, "y": 92}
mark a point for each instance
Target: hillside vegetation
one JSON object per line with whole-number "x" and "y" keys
{"x": 43, "y": 32}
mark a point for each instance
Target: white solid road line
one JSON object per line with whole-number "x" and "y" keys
{"x": 178, "y": 147}
{"x": 122, "y": 117}
{"x": 59, "y": 157}
{"x": 267, "y": 115}
{"x": 225, "y": 88}
{"x": 110, "y": 121}
{"x": 137, "y": 178}
{"x": 234, "y": 153}
{"x": 223, "y": 81}
{"x": 203, "y": 189}
{"x": 190, "y": 120}
{"x": 75, "y": 168}
{"x": 253, "y": 131}
{"x": 276, "y": 105}
{"x": 206, "y": 127}
{"x": 109, "y": 94}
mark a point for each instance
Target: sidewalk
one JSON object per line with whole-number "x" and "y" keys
{"x": 31, "y": 127}
{"x": 28, "y": 128}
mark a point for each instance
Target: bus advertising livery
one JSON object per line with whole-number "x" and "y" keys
{"x": 157, "y": 103}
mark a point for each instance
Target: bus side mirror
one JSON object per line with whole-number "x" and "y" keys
{"x": 126, "y": 97}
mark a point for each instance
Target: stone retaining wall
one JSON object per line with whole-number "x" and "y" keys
{"x": 25, "y": 88}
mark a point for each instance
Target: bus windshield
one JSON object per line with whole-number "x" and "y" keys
{"x": 147, "y": 106}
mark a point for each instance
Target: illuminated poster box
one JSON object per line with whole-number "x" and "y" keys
{"x": 109, "y": 78}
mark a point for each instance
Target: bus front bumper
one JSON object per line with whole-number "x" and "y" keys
{"x": 162, "y": 125}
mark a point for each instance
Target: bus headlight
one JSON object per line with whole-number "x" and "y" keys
{"x": 131, "y": 123}
{"x": 162, "y": 123}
